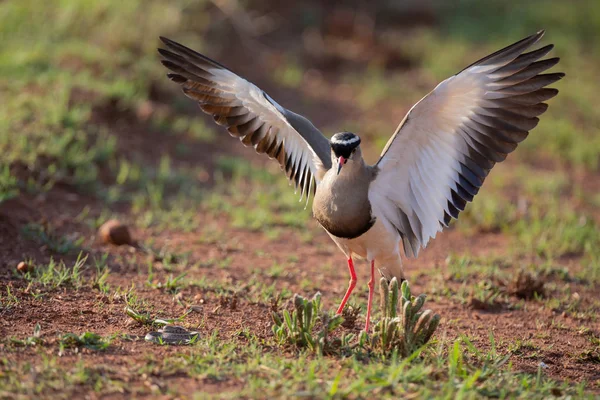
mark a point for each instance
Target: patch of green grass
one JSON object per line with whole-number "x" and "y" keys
{"x": 145, "y": 318}
{"x": 140, "y": 309}
{"x": 553, "y": 230}
{"x": 9, "y": 184}
{"x": 100, "y": 280}
{"x": 64, "y": 62}
{"x": 463, "y": 267}
{"x": 170, "y": 285}
{"x": 52, "y": 378}
{"x": 539, "y": 183}
{"x": 162, "y": 197}
{"x": 256, "y": 199}
{"x": 259, "y": 292}
{"x": 184, "y": 126}
{"x": 33, "y": 340}
{"x": 298, "y": 328}
{"x": 8, "y": 299}
{"x": 566, "y": 300}
{"x": 450, "y": 369}
{"x": 88, "y": 340}
{"x": 487, "y": 213}
{"x": 276, "y": 270}
{"x": 133, "y": 300}
{"x": 540, "y": 224}
{"x": 524, "y": 348}
{"x": 592, "y": 354}
{"x": 485, "y": 295}
{"x": 56, "y": 274}
{"x": 55, "y": 242}
{"x": 454, "y": 370}
{"x": 498, "y": 282}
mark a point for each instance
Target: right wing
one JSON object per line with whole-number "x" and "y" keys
{"x": 251, "y": 115}
{"x": 449, "y": 141}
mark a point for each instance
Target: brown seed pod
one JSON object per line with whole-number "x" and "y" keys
{"x": 24, "y": 268}
{"x": 114, "y": 232}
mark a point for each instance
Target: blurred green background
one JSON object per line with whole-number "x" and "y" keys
{"x": 85, "y": 101}
{"x": 86, "y": 105}
{"x": 62, "y": 60}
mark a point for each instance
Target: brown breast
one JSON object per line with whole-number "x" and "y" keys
{"x": 341, "y": 203}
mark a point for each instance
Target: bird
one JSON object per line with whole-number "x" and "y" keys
{"x": 432, "y": 166}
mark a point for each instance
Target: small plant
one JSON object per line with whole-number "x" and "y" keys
{"x": 100, "y": 279}
{"x": 56, "y": 243}
{"x": 485, "y": 295}
{"x": 409, "y": 330}
{"x": 170, "y": 285}
{"x": 296, "y": 328}
{"x": 88, "y": 340}
{"x": 527, "y": 285}
{"x": 145, "y": 318}
{"x": 57, "y": 274}
{"x": 9, "y": 300}
{"x": 33, "y": 340}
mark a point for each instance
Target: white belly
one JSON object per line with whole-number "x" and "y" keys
{"x": 378, "y": 244}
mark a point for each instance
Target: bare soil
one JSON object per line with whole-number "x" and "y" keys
{"x": 66, "y": 310}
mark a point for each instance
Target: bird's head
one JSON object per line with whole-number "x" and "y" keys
{"x": 345, "y": 147}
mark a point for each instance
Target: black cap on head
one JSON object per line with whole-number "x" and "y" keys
{"x": 343, "y": 143}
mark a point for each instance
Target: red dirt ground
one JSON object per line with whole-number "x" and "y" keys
{"x": 86, "y": 310}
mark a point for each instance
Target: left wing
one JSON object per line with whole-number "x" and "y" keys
{"x": 251, "y": 115}
{"x": 446, "y": 145}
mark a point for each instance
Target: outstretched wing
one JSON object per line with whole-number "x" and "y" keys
{"x": 251, "y": 115}
{"x": 439, "y": 156}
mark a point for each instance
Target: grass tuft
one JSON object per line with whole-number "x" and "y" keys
{"x": 88, "y": 340}
{"x": 57, "y": 274}
{"x": 299, "y": 328}
{"x": 402, "y": 329}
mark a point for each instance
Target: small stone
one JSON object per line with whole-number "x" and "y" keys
{"x": 24, "y": 268}
{"x": 114, "y": 232}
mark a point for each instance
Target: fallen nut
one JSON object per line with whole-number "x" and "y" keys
{"x": 24, "y": 268}
{"x": 114, "y": 232}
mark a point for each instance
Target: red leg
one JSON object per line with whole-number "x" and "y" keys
{"x": 350, "y": 287}
{"x": 371, "y": 284}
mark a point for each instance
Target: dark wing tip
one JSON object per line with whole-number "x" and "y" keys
{"x": 169, "y": 64}
{"x": 165, "y": 40}
{"x": 164, "y": 52}
{"x": 191, "y": 55}
{"x": 176, "y": 78}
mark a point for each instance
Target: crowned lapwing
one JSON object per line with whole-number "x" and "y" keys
{"x": 433, "y": 164}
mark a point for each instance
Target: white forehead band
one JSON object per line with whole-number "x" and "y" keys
{"x": 345, "y": 142}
